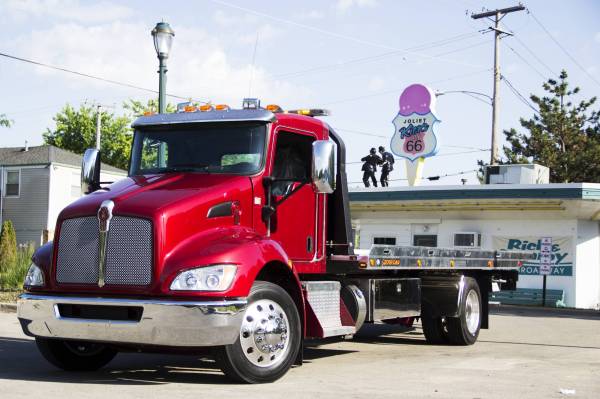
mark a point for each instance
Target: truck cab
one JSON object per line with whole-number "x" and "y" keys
{"x": 232, "y": 232}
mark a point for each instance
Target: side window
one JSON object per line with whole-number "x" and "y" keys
{"x": 150, "y": 150}
{"x": 384, "y": 240}
{"x": 425, "y": 240}
{"x": 293, "y": 156}
{"x": 13, "y": 181}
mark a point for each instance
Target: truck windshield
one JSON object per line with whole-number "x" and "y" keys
{"x": 209, "y": 148}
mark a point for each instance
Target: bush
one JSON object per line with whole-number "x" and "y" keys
{"x": 8, "y": 246}
{"x": 13, "y": 277}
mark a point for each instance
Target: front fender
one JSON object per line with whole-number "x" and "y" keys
{"x": 234, "y": 245}
{"x": 42, "y": 257}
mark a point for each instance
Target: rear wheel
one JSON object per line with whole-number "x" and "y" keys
{"x": 464, "y": 330}
{"x": 269, "y": 339}
{"x": 434, "y": 328}
{"x": 75, "y": 355}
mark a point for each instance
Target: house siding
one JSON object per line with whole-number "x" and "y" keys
{"x": 29, "y": 211}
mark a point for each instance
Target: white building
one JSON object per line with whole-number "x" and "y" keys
{"x": 498, "y": 216}
{"x": 36, "y": 183}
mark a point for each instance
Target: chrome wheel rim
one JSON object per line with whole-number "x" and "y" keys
{"x": 264, "y": 334}
{"x": 472, "y": 312}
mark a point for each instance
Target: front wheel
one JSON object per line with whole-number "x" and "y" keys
{"x": 75, "y": 355}
{"x": 464, "y": 330}
{"x": 269, "y": 339}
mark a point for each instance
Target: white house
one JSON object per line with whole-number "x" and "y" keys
{"x": 495, "y": 216}
{"x": 36, "y": 183}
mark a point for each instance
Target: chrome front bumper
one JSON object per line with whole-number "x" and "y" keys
{"x": 163, "y": 322}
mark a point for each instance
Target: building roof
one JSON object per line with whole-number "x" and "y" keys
{"x": 44, "y": 155}
{"x": 581, "y": 191}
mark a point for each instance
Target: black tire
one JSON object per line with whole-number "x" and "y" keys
{"x": 434, "y": 328}
{"x": 435, "y": 331}
{"x": 458, "y": 327}
{"x": 233, "y": 359}
{"x": 75, "y": 355}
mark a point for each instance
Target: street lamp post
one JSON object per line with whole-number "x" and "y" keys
{"x": 163, "y": 39}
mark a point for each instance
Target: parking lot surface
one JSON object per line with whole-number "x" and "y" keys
{"x": 526, "y": 353}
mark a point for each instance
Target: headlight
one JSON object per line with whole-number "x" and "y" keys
{"x": 34, "y": 277}
{"x": 208, "y": 278}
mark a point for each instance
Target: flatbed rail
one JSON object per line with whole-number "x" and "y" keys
{"x": 417, "y": 258}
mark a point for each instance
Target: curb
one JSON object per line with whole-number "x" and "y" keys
{"x": 548, "y": 310}
{"x": 8, "y": 307}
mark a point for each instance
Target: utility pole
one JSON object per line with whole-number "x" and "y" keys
{"x": 498, "y": 14}
{"x": 98, "y": 125}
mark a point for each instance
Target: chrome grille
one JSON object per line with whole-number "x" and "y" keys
{"x": 129, "y": 251}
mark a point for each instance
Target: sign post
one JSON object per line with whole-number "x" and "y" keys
{"x": 414, "y": 138}
{"x": 545, "y": 263}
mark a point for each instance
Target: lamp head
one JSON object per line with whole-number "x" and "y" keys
{"x": 163, "y": 39}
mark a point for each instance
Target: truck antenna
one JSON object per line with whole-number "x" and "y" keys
{"x": 252, "y": 67}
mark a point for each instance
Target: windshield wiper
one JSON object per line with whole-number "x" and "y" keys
{"x": 184, "y": 168}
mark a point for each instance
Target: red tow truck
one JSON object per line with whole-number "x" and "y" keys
{"x": 232, "y": 232}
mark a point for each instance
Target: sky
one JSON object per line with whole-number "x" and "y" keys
{"x": 353, "y": 57}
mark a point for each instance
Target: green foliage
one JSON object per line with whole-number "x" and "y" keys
{"x": 76, "y": 131}
{"x": 8, "y": 246}
{"x": 137, "y": 108}
{"x": 564, "y": 136}
{"x": 12, "y": 278}
{"x": 4, "y": 121}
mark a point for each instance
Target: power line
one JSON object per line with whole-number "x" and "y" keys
{"x": 362, "y": 132}
{"x": 538, "y": 59}
{"x": 430, "y": 178}
{"x": 399, "y": 90}
{"x": 526, "y": 62}
{"x": 376, "y": 57}
{"x": 564, "y": 50}
{"x": 85, "y": 75}
{"x": 438, "y": 155}
{"x": 335, "y": 34}
{"x": 518, "y": 94}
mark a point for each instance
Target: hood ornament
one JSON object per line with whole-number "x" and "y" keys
{"x": 104, "y": 217}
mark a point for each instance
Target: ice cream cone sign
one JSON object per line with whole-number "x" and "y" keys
{"x": 414, "y": 138}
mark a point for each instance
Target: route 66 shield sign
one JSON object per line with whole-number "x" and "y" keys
{"x": 414, "y": 135}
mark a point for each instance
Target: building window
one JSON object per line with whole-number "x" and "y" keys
{"x": 467, "y": 239}
{"x": 12, "y": 185}
{"x": 425, "y": 240}
{"x": 75, "y": 184}
{"x": 384, "y": 240}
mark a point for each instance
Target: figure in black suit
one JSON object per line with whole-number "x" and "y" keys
{"x": 370, "y": 167}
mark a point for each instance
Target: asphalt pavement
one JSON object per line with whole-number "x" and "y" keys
{"x": 525, "y": 354}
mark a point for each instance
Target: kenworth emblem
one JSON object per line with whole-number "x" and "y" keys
{"x": 104, "y": 217}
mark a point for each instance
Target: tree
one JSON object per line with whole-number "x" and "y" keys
{"x": 137, "y": 108}
{"x": 76, "y": 131}
{"x": 8, "y": 246}
{"x": 4, "y": 121}
{"x": 564, "y": 135}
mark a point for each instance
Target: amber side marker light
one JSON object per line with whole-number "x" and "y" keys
{"x": 274, "y": 108}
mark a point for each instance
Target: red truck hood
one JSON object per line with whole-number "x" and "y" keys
{"x": 147, "y": 196}
{"x": 176, "y": 203}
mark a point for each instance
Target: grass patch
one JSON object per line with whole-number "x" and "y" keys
{"x": 9, "y": 296}
{"x": 12, "y": 278}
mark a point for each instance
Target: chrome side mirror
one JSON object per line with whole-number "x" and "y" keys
{"x": 90, "y": 171}
{"x": 324, "y": 166}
